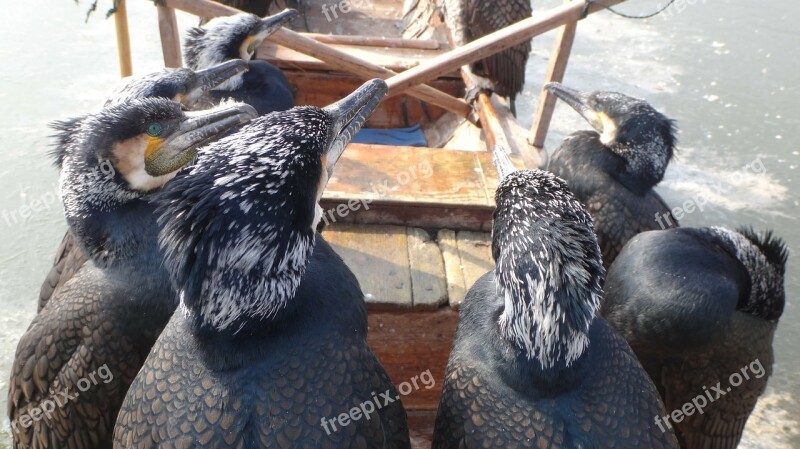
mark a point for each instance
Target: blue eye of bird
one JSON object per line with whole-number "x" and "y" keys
{"x": 598, "y": 107}
{"x": 154, "y": 129}
{"x": 182, "y": 90}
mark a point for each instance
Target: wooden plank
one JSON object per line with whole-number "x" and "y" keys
{"x": 546, "y": 103}
{"x": 456, "y": 285}
{"x": 123, "y": 40}
{"x": 337, "y": 59}
{"x": 495, "y": 134}
{"x": 522, "y": 31}
{"x": 475, "y": 254}
{"x": 502, "y": 128}
{"x": 411, "y": 344}
{"x": 431, "y": 216}
{"x": 427, "y": 271}
{"x": 170, "y": 38}
{"x": 378, "y": 255}
{"x": 416, "y": 175}
{"x": 422, "y": 187}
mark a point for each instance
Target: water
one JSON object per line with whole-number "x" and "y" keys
{"x": 727, "y": 71}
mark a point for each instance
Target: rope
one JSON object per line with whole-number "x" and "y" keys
{"x": 622, "y": 14}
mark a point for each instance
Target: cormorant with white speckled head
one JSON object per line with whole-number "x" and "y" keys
{"x": 85, "y": 347}
{"x": 269, "y": 344}
{"x": 264, "y": 86}
{"x": 614, "y": 169}
{"x": 532, "y": 365}
{"x": 700, "y": 307}
{"x": 184, "y": 86}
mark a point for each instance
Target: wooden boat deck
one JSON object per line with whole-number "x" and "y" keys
{"x": 414, "y": 282}
{"x": 404, "y": 269}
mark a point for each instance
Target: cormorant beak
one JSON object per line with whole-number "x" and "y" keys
{"x": 502, "y": 162}
{"x": 198, "y": 128}
{"x": 349, "y": 115}
{"x": 578, "y": 101}
{"x": 212, "y": 77}
{"x": 268, "y": 26}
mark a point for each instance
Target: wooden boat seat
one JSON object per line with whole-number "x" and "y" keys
{"x": 415, "y": 186}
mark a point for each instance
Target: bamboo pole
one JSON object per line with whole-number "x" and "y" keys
{"x": 170, "y": 39}
{"x": 336, "y": 58}
{"x": 492, "y": 43}
{"x": 123, "y": 40}
{"x": 546, "y": 104}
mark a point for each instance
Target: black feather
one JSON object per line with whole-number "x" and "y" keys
{"x": 772, "y": 246}
{"x": 65, "y": 133}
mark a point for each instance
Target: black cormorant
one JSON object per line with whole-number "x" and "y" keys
{"x": 468, "y": 20}
{"x": 181, "y": 85}
{"x": 74, "y": 363}
{"x": 613, "y": 171}
{"x": 700, "y": 306}
{"x": 532, "y": 366}
{"x": 268, "y": 348}
{"x": 264, "y": 86}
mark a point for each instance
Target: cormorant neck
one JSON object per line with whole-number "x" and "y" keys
{"x": 547, "y": 313}
{"x": 252, "y": 283}
{"x": 767, "y": 295}
{"x": 109, "y": 220}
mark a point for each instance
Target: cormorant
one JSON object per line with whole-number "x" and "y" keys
{"x": 532, "y": 365}
{"x": 700, "y": 306}
{"x": 184, "y": 86}
{"x": 264, "y": 86}
{"x": 268, "y": 348}
{"x": 468, "y": 20}
{"x": 613, "y": 171}
{"x": 74, "y": 363}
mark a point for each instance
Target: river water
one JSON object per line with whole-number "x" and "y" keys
{"x": 727, "y": 71}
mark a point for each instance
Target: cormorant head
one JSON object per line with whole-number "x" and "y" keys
{"x": 629, "y": 127}
{"x": 548, "y": 265}
{"x": 239, "y": 227}
{"x": 126, "y": 150}
{"x": 184, "y": 86}
{"x": 231, "y": 37}
{"x": 764, "y": 255}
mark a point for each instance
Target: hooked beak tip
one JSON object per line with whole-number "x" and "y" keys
{"x": 273, "y": 23}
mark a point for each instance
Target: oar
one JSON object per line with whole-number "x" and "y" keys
{"x": 336, "y": 58}
{"x": 490, "y": 44}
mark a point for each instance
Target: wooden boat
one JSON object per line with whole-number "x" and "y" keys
{"x": 412, "y": 222}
